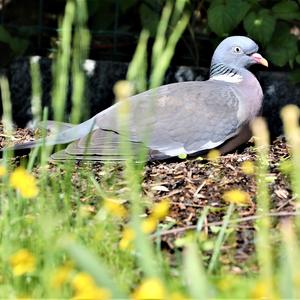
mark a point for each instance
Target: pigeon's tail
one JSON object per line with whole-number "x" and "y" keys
{"x": 64, "y": 134}
{"x": 53, "y": 126}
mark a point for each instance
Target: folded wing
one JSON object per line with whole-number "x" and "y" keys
{"x": 180, "y": 118}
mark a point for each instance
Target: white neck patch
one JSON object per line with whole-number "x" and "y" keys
{"x": 231, "y": 77}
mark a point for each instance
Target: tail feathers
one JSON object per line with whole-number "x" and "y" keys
{"x": 65, "y": 134}
{"x": 27, "y": 145}
{"x": 63, "y": 155}
{"x": 54, "y": 126}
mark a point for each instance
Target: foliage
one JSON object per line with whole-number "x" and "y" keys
{"x": 274, "y": 24}
{"x": 224, "y": 16}
{"x": 270, "y": 23}
{"x": 18, "y": 45}
{"x": 266, "y": 23}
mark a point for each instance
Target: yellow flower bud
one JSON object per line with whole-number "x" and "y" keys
{"x": 237, "y": 197}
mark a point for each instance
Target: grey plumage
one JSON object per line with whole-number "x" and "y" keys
{"x": 179, "y": 118}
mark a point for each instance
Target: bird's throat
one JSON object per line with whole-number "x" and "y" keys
{"x": 225, "y": 73}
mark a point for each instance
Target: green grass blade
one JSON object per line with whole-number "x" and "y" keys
{"x": 36, "y": 97}
{"x": 91, "y": 264}
{"x": 80, "y": 54}
{"x": 7, "y": 108}
{"x": 290, "y": 262}
{"x": 137, "y": 70}
{"x": 161, "y": 35}
{"x": 263, "y": 241}
{"x": 220, "y": 239}
{"x": 194, "y": 274}
{"x": 290, "y": 117}
{"x": 6, "y": 117}
{"x": 160, "y": 68}
{"x": 62, "y": 63}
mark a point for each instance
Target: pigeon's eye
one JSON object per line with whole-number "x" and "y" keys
{"x": 237, "y": 49}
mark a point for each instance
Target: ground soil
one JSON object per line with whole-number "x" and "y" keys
{"x": 191, "y": 185}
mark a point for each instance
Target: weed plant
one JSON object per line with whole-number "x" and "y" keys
{"x": 71, "y": 231}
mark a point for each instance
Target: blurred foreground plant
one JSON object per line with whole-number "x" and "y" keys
{"x": 263, "y": 241}
{"x": 22, "y": 262}
{"x": 165, "y": 42}
{"x": 111, "y": 259}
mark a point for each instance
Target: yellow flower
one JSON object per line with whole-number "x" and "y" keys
{"x": 61, "y": 275}
{"x": 82, "y": 280}
{"x": 260, "y": 291}
{"x": 2, "y": 171}
{"x": 160, "y": 210}
{"x": 93, "y": 293}
{"x": 24, "y": 297}
{"x": 177, "y": 296}
{"x": 24, "y": 182}
{"x": 86, "y": 288}
{"x": 123, "y": 89}
{"x": 237, "y": 197}
{"x": 22, "y": 262}
{"x": 150, "y": 288}
{"x": 226, "y": 283}
{"x": 248, "y": 167}
{"x": 149, "y": 224}
{"x": 29, "y": 192}
{"x": 127, "y": 238}
{"x": 115, "y": 208}
{"x": 213, "y": 155}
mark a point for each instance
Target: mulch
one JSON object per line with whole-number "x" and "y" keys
{"x": 194, "y": 184}
{"x": 19, "y": 136}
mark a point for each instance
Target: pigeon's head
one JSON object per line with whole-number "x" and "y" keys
{"x": 238, "y": 52}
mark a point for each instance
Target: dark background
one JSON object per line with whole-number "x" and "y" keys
{"x": 29, "y": 27}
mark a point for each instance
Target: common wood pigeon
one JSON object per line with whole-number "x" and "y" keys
{"x": 179, "y": 118}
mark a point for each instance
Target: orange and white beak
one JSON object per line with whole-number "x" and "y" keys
{"x": 259, "y": 59}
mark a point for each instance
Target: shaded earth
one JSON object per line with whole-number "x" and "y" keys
{"x": 192, "y": 185}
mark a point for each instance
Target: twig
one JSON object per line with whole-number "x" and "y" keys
{"x": 285, "y": 203}
{"x": 238, "y": 220}
{"x": 200, "y": 188}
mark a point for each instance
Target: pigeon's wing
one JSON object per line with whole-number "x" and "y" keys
{"x": 174, "y": 119}
{"x": 190, "y": 117}
{"x": 104, "y": 145}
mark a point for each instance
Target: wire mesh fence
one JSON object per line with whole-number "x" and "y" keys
{"x": 35, "y": 24}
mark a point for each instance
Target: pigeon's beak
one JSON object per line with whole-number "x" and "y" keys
{"x": 259, "y": 59}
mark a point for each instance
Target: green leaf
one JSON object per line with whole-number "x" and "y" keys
{"x": 294, "y": 77}
{"x": 260, "y": 25}
{"x": 17, "y": 45}
{"x": 283, "y": 47}
{"x": 286, "y": 10}
{"x": 224, "y": 16}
